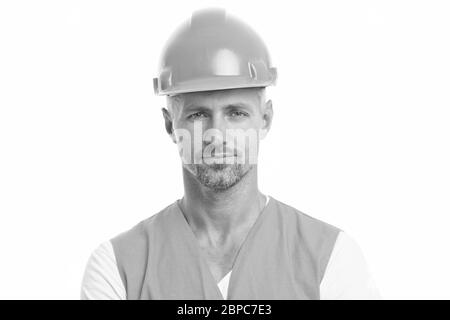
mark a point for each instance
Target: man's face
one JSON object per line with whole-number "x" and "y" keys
{"x": 218, "y": 133}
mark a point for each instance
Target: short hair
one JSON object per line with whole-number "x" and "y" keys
{"x": 173, "y": 101}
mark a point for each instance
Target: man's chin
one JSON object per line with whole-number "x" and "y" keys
{"x": 218, "y": 176}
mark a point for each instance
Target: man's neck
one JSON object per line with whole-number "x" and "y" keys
{"x": 220, "y": 216}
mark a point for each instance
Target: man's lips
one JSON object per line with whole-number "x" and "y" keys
{"x": 220, "y": 155}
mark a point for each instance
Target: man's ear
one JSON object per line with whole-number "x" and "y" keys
{"x": 267, "y": 118}
{"x": 169, "y": 124}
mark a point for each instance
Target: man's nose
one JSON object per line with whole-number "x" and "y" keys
{"x": 215, "y": 131}
{"x": 217, "y": 122}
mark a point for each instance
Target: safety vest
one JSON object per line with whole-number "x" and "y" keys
{"x": 284, "y": 256}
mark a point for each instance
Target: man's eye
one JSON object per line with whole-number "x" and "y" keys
{"x": 238, "y": 114}
{"x": 197, "y": 115}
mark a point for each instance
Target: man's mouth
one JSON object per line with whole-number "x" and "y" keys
{"x": 220, "y": 158}
{"x": 221, "y": 155}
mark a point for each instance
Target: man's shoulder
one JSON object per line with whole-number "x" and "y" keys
{"x": 313, "y": 240}
{"x": 300, "y": 219}
{"x": 140, "y": 231}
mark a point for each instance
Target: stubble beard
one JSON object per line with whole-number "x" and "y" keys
{"x": 218, "y": 177}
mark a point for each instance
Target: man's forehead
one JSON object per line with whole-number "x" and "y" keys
{"x": 218, "y": 98}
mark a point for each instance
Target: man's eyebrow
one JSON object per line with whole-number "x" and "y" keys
{"x": 194, "y": 107}
{"x": 228, "y": 105}
{"x": 238, "y": 105}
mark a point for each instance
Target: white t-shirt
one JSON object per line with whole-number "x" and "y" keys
{"x": 347, "y": 275}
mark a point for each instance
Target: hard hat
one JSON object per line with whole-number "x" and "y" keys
{"x": 211, "y": 51}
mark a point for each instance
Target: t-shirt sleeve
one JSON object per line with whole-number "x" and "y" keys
{"x": 347, "y": 276}
{"x": 101, "y": 279}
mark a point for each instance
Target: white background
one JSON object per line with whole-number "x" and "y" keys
{"x": 360, "y": 137}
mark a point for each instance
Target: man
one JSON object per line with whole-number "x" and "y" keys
{"x": 224, "y": 239}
